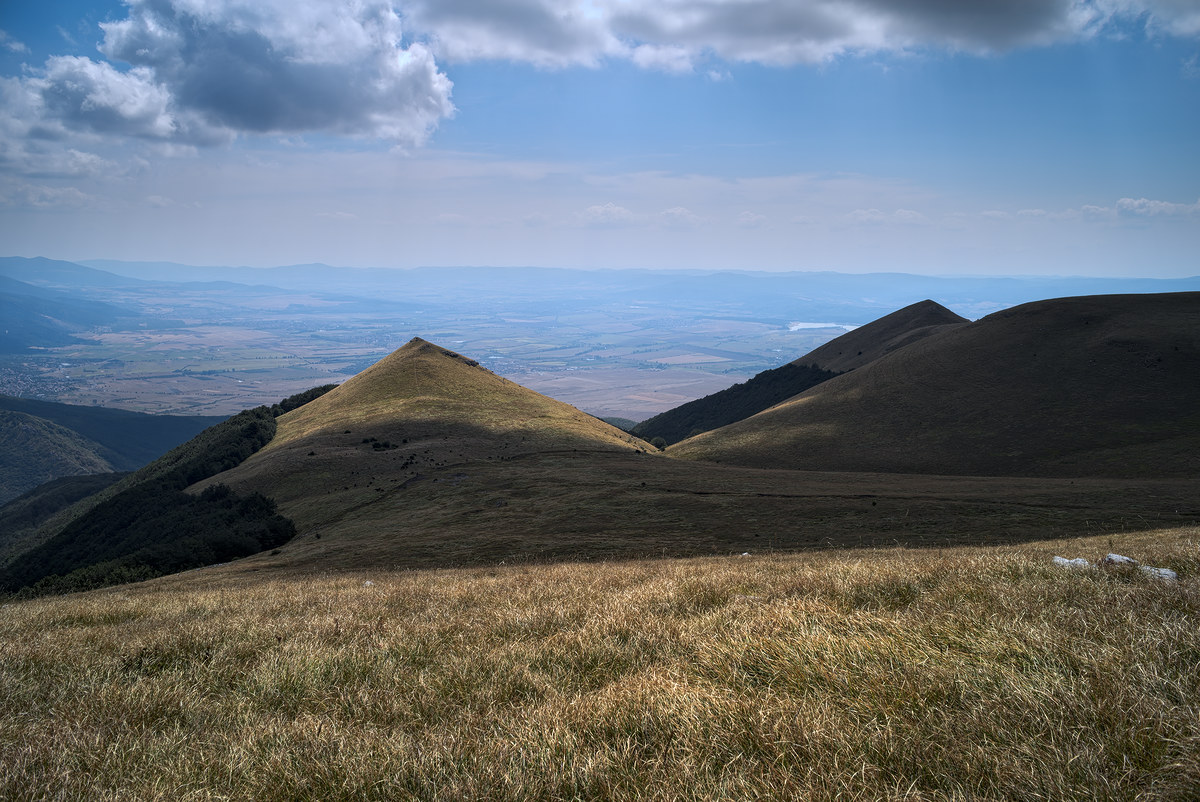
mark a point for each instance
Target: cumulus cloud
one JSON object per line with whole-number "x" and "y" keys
{"x": 274, "y": 66}
{"x": 1144, "y": 207}
{"x": 679, "y": 217}
{"x": 606, "y": 216}
{"x": 94, "y": 96}
{"x": 875, "y": 217}
{"x": 203, "y": 71}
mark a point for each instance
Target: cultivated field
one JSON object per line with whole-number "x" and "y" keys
{"x": 953, "y": 673}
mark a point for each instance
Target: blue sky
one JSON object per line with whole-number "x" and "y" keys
{"x": 992, "y": 137}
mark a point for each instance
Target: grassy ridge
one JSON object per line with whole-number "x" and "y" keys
{"x": 731, "y": 404}
{"x": 919, "y": 674}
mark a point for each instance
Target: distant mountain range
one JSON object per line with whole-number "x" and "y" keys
{"x": 1031, "y": 422}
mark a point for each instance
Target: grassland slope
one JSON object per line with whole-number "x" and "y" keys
{"x": 867, "y": 343}
{"x": 916, "y": 674}
{"x": 420, "y": 409}
{"x": 1088, "y": 386}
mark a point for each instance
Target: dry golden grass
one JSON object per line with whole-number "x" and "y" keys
{"x": 866, "y": 674}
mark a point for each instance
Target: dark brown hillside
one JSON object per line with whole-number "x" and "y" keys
{"x": 35, "y": 450}
{"x": 880, "y": 337}
{"x": 768, "y": 388}
{"x": 1091, "y": 386}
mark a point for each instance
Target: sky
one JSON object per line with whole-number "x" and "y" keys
{"x": 992, "y": 137}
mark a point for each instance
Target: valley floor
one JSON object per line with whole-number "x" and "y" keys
{"x": 919, "y": 673}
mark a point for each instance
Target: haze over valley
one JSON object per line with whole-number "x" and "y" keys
{"x": 179, "y": 340}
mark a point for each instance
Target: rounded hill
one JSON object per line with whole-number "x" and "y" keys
{"x": 1089, "y": 386}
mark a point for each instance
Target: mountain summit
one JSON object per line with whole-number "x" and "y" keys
{"x": 879, "y": 337}
{"x": 422, "y": 408}
{"x": 423, "y": 391}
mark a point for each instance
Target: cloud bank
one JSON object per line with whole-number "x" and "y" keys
{"x": 678, "y": 35}
{"x": 176, "y": 75}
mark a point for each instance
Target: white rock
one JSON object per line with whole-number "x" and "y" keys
{"x": 368, "y": 584}
{"x": 1117, "y": 559}
{"x": 1078, "y": 562}
{"x": 1160, "y": 573}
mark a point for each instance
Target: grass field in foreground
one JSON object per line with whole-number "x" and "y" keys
{"x": 891, "y": 673}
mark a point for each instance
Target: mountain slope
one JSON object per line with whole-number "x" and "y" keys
{"x": 1091, "y": 386}
{"x": 126, "y": 439}
{"x": 734, "y": 403}
{"x": 420, "y": 408}
{"x": 21, "y": 518}
{"x": 849, "y": 351}
{"x": 867, "y": 343}
{"x": 34, "y": 450}
{"x": 145, "y": 525}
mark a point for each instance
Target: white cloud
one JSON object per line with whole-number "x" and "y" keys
{"x": 679, "y": 217}
{"x": 606, "y": 215}
{"x": 1177, "y": 17}
{"x": 1144, "y": 207}
{"x": 867, "y": 216}
{"x": 287, "y": 67}
{"x": 94, "y": 96}
{"x": 1191, "y": 67}
{"x": 668, "y": 58}
{"x": 875, "y": 217}
{"x": 11, "y": 44}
